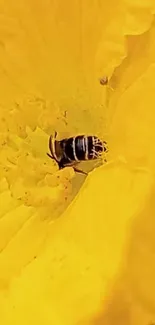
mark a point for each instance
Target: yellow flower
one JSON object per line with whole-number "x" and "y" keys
{"x": 77, "y": 250}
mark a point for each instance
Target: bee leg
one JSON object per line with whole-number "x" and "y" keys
{"x": 79, "y": 171}
{"x": 55, "y": 134}
{"x": 61, "y": 167}
{"x": 48, "y": 154}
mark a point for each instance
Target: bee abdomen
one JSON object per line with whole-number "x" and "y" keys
{"x": 73, "y": 148}
{"x": 68, "y": 148}
{"x": 82, "y": 147}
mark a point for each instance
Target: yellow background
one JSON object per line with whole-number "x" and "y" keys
{"x": 90, "y": 260}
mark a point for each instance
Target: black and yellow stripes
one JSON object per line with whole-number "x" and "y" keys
{"x": 72, "y": 150}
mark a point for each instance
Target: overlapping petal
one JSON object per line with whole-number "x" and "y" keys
{"x": 94, "y": 264}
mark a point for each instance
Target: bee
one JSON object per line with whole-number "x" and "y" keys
{"x": 70, "y": 151}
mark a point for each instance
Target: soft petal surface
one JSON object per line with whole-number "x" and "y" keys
{"x": 89, "y": 261}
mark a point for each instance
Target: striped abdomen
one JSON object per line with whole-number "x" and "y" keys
{"x": 82, "y": 148}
